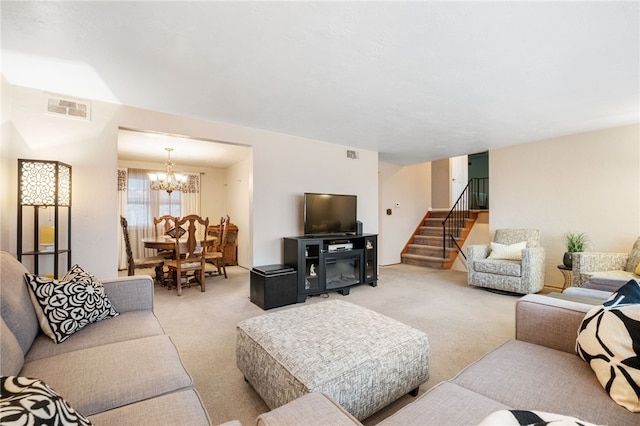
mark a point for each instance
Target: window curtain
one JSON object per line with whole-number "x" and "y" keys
{"x": 190, "y": 197}
{"x": 122, "y": 211}
{"x": 144, "y": 204}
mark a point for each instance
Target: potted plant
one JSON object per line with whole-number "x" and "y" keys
{"x": 575, "y": 242}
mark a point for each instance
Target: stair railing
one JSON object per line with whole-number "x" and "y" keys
{"x": 455, "y": 221}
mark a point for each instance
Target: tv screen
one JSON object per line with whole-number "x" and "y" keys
{"x": 329, "y": 214}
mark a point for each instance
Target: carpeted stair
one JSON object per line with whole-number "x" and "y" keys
{"x": 425, "y": 247}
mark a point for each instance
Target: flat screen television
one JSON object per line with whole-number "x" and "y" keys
{"x": 330, "y": 214}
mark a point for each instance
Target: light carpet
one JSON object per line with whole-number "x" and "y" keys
{"x": 462, "y": 323}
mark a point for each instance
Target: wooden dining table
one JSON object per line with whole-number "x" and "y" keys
{"x": 167, "y": 243}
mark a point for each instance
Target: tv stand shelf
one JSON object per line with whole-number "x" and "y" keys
{"x": 332, "y": 262}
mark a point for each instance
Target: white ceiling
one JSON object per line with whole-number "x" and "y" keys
{"x": 150, "y": 147}
{"x": 416, "y": 81}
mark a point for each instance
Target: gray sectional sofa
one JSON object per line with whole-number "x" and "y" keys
{"x": 538, "y": 370}
{"x": 119, "y": 371}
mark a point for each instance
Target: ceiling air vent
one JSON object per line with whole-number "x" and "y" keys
{"x": 352, "y": 154}
{"x": 70, "y": 108}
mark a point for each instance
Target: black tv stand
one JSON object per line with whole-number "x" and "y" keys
{"x": 320, "y": 270}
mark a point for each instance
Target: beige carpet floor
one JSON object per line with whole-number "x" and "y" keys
{"x": 462, "y": 323}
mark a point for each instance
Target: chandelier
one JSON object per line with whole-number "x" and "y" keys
{"x": 168, "y": 181}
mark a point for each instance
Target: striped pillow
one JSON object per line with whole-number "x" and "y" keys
{"x": 530, "y": 418}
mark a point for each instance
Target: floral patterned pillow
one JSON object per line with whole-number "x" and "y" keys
{"x": 67, "y": 305}
{"x": 32, "y": 402}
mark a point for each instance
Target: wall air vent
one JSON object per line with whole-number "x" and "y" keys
{"x": 70, "y": 108}
{"x": 352, "y": 154}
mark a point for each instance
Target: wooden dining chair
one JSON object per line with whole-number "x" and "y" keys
{"x": 189, "y": 252}
{"x": 215, "y": 255}
{"x": 166, "y": 222}
{"x": 155, "y": 262}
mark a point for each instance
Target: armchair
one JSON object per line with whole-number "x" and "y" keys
{"x": 521, "y": 271}
{"x": 606, "y": 271}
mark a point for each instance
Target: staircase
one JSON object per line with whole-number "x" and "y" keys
{"x": 425, "y": 247}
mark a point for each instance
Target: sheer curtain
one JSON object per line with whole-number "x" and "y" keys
{"x": 190, "y": 198}
{"x": 142, "y": 205}
{"x": 122, "y": 211}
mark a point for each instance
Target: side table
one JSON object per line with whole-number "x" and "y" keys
{"x": 568, "y": 276}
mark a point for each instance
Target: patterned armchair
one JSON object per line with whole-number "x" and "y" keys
{"x": 505, "y": 265}
{"x": 606, "y": 271}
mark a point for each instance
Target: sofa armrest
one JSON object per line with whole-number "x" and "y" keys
{"x": 311, "y": 409}
{"x": 549, "y": 322}
{"x": 585, "y": 262}
{"x": 475, "y": 252}
{"x": 134, "y": 293}
{"x": 478, "y": 252}
{"x": 533, "y": 269}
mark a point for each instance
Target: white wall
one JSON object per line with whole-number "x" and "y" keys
{"x": 295, "y": 168}
{"x": 90, "y": 148}
{"x": 411, "y": 187}
{"x": 238, "y": 195}
{"x": 284, "y": 167}
{"x": 587, "y": 182}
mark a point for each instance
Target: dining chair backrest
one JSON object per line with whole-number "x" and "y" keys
{"x": 192, "y": 246}
{"x": 224, "y": 227}
{"x": 127, "y": 245}
{"x": 169, "y": 222}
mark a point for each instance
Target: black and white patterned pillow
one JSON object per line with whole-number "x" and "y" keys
{"x": 609, "y": 340}
{"x": 67, "y": 305}
{"x": 32, "y": 402}
{"x": 530, "y": 418}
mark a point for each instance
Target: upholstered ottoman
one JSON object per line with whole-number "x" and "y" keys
{"x": 362, "y": 359}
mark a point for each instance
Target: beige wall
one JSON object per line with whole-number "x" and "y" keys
{"x": 283, "y": 167}
{"x": 441, "y": 184}
{"x": 410, "y": 186}
{"x": 587, "y": 182}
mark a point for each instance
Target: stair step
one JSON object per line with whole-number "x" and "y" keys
{"x": 439, "y": 213}
{"x": 430, "y": 261}
{"x": 429, "y": 230}
{"x": 428, "y": 250}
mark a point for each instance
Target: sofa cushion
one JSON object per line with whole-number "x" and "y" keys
{"x": 526, "y": 376}
{"x": 609, "y": 340}
{"x": 66, "y": 306}
{"x": 177, "y": 408}
{"x": 510, "y": 268}
{"x": 105, "y": 377}
{"x": 445, "y": 404}
{"x": 31, "y": 402}
{"x": 622, "y": 277}
{"x": 15, "y": 304}
{"x": 126, "y": 326}
{"x": 507, "y": 251}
